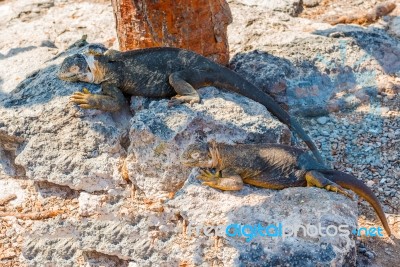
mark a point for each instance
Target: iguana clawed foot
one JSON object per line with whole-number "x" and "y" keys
{"x": 338, "y": 189}
{"x": 316, "y": 179}
{"x": 215, "y": 180}
{"x": 206, "y": 175}
{"x": 179, "y": 99}
{"x": 84, "y": 99}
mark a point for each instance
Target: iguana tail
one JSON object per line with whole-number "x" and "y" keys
{"x": 230, "y": 80}
{"x": 350, "y": 182}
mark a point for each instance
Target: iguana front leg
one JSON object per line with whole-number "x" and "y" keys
{"x": 317, "y": 179}
{"x": 206, "y": 176}
{"x": 111, "y": 100}
{"x": 223, "y": 180}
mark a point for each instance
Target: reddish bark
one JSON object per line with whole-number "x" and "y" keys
{"x": 197, "y": 25}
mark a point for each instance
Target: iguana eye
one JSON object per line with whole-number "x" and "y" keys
{"x": 195, "y": 155}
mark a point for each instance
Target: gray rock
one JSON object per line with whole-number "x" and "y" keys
{"x": 61, "y": 143}
{"x": 57, "y": 142}
{"x": 311, "y": 3}
{"x": 323, "y": 120}
{"x": 394, "y": 26}
{"x": 369, "y": 254}
{"x": 292, "y": 7}
{"x": 58, "y": 21}
{"x": 370, "y": 183}
{"x": 43, "y": 138}
{"x": 8, "y": 147}
{"x": 159, "y": 135}
{"x": 148, "y": 238}
{"x": 299, "y": 70}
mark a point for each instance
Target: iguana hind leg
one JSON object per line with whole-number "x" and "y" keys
{"x": 185, "y": 83}
{"x": 228, "y": 181}
{"x": 317, "y": 179}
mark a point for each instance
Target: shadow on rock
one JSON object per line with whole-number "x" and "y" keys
{"x": 2, "y": 94}
{"x": 301, "y": 85}
{"x": 43, "y": 85}
{"x": 14, "y": 51}
{"x": 40, "y": 87}
{"x": 377, "y": 43}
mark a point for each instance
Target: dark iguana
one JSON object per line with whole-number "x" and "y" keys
{"x": 159, "y": 73}
{"x": 272, "y": 166}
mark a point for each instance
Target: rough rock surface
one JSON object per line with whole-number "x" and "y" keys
{"x": 62, "y": 144}
{"x": 291, "y": 7}
{"x": 33, "y": 32}
{"x": 147, "y": 236}
{"x": 158, "y": 135}
{"x": 91, "y": 151}
{"x": 311, "y": 3}
{"x": 103, "y": 212}
{"x": 315, "y": 68}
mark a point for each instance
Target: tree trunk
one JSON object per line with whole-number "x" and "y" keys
{"x": 197, "y": 25}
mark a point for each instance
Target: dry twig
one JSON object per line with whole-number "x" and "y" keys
{"x": 7, "y": 199}
{"x": 42, "y": 215}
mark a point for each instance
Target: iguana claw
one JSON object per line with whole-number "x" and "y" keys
{"x": 338, "y": 189}
{"x": 226, "y": 184}
{"x": 84, "y": 99}
{"x": 316, "y": 179}
{"x": 207, "y": 176}
{"x": 215, "y": 180}
{"x": 179, "y": 99}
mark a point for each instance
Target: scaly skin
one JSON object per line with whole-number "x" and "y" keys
{"x": 272, "y": 166}
{"x": 159, "y": 73}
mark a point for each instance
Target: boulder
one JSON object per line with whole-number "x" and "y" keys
{"x": 158, "y": 135}
{"x": 137, "y": 205}
{"x": 58, "y": 142}
{"x": 131, "y": 199}
{"x": 176, "y": 232}
{"x": 314, "y": 68}
{"x": 291, "y": 7}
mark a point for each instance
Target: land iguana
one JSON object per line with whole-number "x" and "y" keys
{"x": 272, "y": 166}
{"x": 159, "y": 73}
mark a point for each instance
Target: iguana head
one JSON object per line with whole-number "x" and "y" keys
{"x": 197, "y": 155}
{"x": 75, "y": 68}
